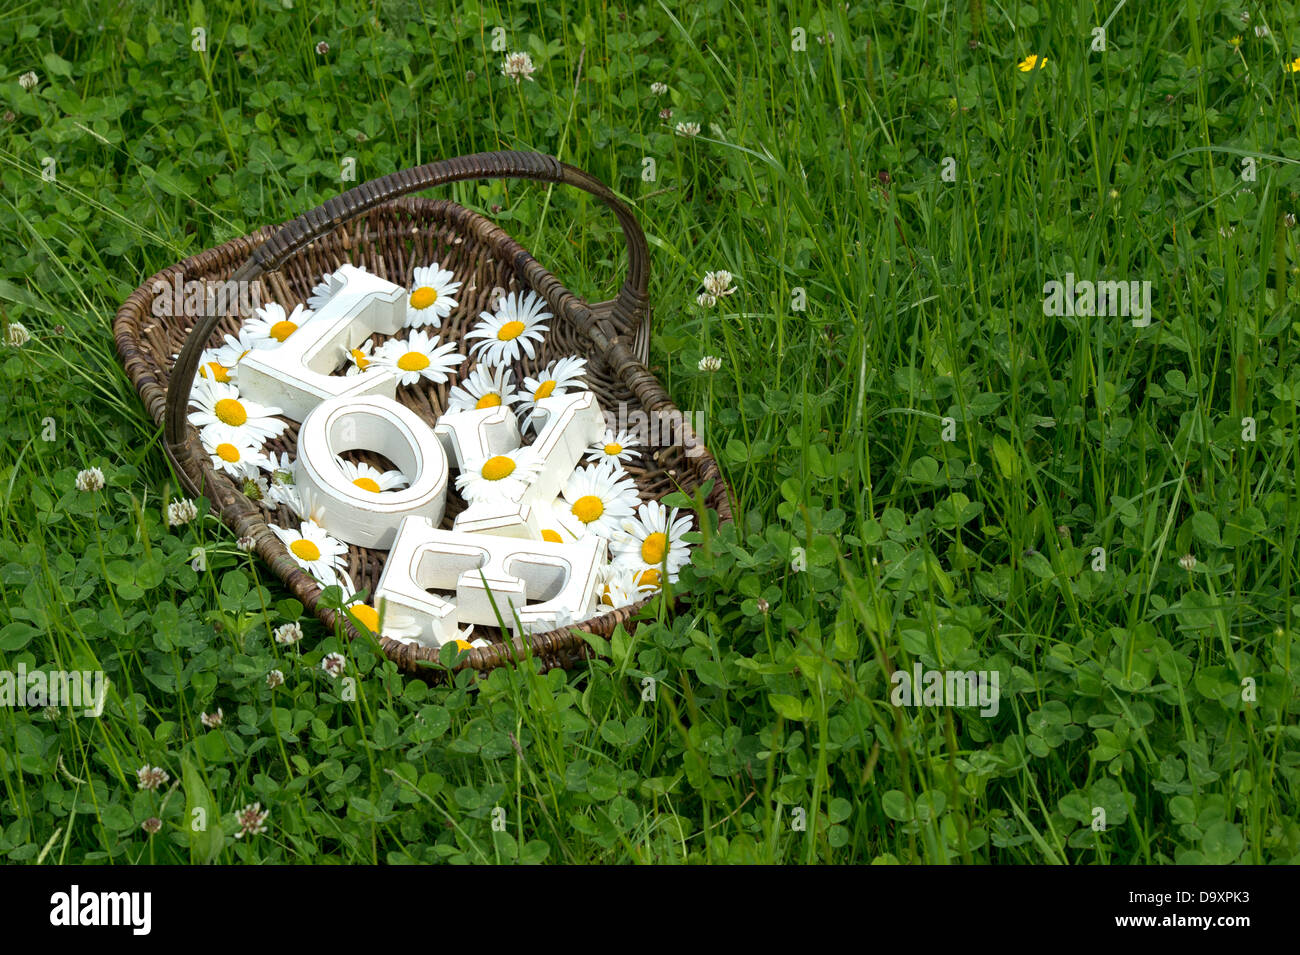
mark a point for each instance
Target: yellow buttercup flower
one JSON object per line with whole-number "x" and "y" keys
{"x": 1032, "y": 62}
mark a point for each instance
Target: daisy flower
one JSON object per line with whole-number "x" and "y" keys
{"x": 511, "y": 331}
{"x": 231, "y": 450}
{"x": 210, "y": 366}
{"x": 372, "y": 479}
{"x": 220, "y": 364}
{"x": 326, "y": 289}
{"x": 614, "y": 447}
{"x": 219, "y": 403}
{"x": 601, "y": 498}
{"x": 555, "y": 380}
{"x": 651, "y": 539}
{"x": 619, "y": 588}
{"x": 359, "y": 358}
{"x": 431, "y": 299}
{"x": 484, "y": 387}
{"x": 420, "y": 356}
{"x": 397, "y": 625}
{"x": 502, "y": 475}
{"x": 270, "y": 327}
{"x": 314, "y": 551}
{"x": 232, "y": 351}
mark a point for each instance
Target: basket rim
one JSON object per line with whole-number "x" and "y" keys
{"x": 565, "y": 644}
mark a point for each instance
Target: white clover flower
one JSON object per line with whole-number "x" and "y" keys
{"x": 17, "y": 335}
{"x": 658, "y": 89}
{"x": 288, "y": 634}
{"x": 246, "y": 544}
{"x": 518, "y": 66}
{"x": 333, "y": 665}
{"x": 710, "y": 363}
{"x": 718, "y": 284}
{"x": 212, "y": 720}
{"x": 151, "y": 777}
{"x": 1187, "y": 562}
{"x": 28, "y": 81}
{"x": 252, "y": 820}
{"x": 689, "y": 130}
{"x": 89, "y": 480}
{"x": 181, "y": 512}
{"x": 275, "y": 678}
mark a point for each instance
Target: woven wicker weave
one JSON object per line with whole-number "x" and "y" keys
{"x": 375, "y": 227}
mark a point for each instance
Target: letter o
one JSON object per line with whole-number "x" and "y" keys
{"x": 371, "y": 423}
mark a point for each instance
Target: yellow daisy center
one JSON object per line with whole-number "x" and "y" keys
{"x": 463, "y": 645}
{"x": 228, "y": 453}
{"x": 498, "y": 467}
{"x": 605, "y": 598}
{"x": 360, "y": 358}
{"x": 423, "y": 297}
{"x": 489, "y": 401}
{"x": 510, "y": 331}
{"x": 305, "y": 550}
{"x": 654, "y": 547}
{"x": 413, "y": 361}
{"x": 216, "y": 371}
{"x": 648, "y": 578}
{"x": 615, "y": 448}
{"x": 367, "y": 614}
{"x": 231, "y": 412}
{"x": 588, "y": 508}
{"x": 282, "y": 330}
{"x": 544, "y": 390}
{"x": 552, "y": 536}
{"x": 367, "y": 484}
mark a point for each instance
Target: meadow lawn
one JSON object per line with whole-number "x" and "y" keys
{"x": 1093, "y": 507}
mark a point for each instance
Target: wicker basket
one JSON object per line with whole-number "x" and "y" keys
{"x": 375, "y": 227}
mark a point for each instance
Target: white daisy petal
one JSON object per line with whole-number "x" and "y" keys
{"x": 432, "y": 296}
{"x": 652, "y": 540}
{"x": 600, "y": 497}
{"x": 484, "y": 387}
{"x": 219, "y": 403}
{"x": 499, "y": 476}
{"x": 615, "y": 446}
{"x": 315, "y": 551}
{"x": 270, "y": 327}
{"x": 512, "y": 330}
{"x": 419, "y": 356}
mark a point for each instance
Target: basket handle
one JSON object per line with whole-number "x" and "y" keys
{"x": 628, "y": 311}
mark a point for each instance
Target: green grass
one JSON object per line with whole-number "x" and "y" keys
{"x": 949, "y": 457}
